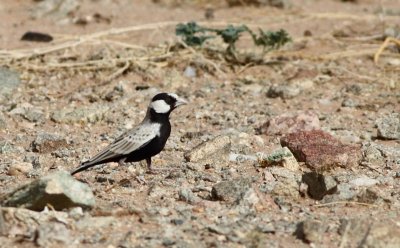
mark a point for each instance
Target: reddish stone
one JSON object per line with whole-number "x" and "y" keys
{"x": 320, "y": 150}
{"x": 290, "y": 123}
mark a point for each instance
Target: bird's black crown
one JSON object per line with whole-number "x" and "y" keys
{"x": 168, "y": 98}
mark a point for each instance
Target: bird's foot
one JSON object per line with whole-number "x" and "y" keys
{"x": 121, "y": 162}
{"x": 152, "y": 171}
{"x": 141, "y": 179}
{"x": 126, "y": 182}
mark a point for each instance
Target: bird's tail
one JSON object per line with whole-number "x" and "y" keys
{"x": 82, "y": 167}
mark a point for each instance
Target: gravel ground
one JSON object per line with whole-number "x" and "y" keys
{"x": 225, "y": 177}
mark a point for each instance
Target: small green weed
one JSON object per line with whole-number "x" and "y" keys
{"x": 195, "y": 35}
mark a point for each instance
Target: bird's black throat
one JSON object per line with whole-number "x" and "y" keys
{"x": 161, "y": 118}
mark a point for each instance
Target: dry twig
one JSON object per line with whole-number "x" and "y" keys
{"x": 345, "y": 202}
{"x": 385, "y": 44}
{"x": 116, "y": 74}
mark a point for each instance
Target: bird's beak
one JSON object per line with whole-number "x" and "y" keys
{"x": 180, "y": 101}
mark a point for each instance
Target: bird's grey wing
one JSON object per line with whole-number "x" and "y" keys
{"x": 127, "y": 143}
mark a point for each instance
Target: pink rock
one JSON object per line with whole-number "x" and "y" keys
{"x": 291, "y": 122}
{"x": 320, "y": 150}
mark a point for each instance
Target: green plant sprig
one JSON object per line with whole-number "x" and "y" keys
{"x": 195, "y": 35}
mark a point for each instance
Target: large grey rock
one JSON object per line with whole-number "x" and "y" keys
{"x": 312, "y": 230}
{"x": 80, "y": 115}
{"x": 389, "y": 126}
{"x": 46, "y": 142}
{"x": 287, "y": 189}
{"x": 376, "y": 155}
{"x": 209, "y": 150}
{"x": 28, "y": 112}
{"x": 60, "y": 190}
{"x": 286, "y": 183}
{"x": 34, "y": 115}
{"x": 365, "y": 233}
{"x": 319, "y": 185}
{"x": 388, "y": 151}
{"x": 353, "y": 231}
{"x": 282, "y": 174}
{"x": 232, "y": 190}
{"x": 19, "y": 222}
{"x": 382, "y": 235}
{"x": 53, "y": 234}
{"x": 9, "y": 80}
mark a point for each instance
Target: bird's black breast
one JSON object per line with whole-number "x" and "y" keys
{"x": 155, "y": 146}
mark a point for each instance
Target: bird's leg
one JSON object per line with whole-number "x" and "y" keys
{"x": 148, "y": 161}
{"x": 121, "y": 162}
{"x": 151, "y": 170}
{"x": 139, "y": 178}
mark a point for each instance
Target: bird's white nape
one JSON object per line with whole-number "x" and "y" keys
{"x": 160, "y": 106}
{"x": 174, "y": 95}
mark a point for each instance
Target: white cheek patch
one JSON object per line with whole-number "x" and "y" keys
{"x": 160, "y": 106}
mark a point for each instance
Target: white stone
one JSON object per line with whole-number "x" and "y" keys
{"x": 364, "y": 181}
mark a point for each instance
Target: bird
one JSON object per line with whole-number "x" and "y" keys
{"x": 144, "y": 140}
